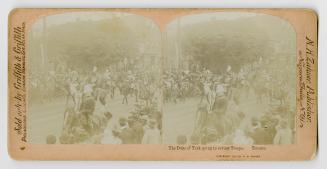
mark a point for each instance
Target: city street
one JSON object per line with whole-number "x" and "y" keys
{"x": 51, "y": 116}
{"x": 178, "y": 119}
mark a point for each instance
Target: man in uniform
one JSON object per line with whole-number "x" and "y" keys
{"x": 125, "y": 91}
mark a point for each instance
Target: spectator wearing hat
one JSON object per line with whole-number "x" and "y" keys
{"x": 125, "y": 133}
{"x": 152, "y": 134}
{"x": 284, "y": 133}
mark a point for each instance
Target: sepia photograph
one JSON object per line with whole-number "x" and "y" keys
{"x": 229, "y": 78}
{"x": 94, "y": 79}
{"x": 162, "y": 84}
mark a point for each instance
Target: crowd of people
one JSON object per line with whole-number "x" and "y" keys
{"x": 219, "y": 116}
{"x": 84, "y": 92}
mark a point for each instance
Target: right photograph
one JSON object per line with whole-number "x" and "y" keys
{"x": 229, "y": 78}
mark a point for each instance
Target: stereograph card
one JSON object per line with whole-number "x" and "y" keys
{"x": 162, "y": 84}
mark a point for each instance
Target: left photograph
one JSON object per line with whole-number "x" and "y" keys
{"x": 94, "y": 78}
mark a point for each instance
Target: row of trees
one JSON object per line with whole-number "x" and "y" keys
{"x": 81, "y": 44}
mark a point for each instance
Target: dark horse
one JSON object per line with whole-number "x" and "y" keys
{"x": 210, "y": 127}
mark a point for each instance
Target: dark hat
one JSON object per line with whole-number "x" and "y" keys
{"x": 108, "y": 115}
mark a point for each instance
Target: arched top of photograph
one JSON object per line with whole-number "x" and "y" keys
{"x": 243, "y": 36}
{"x": 64, "y": 18}
{"x": 207, "y": 16}
{"x": 86, "y": 39}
